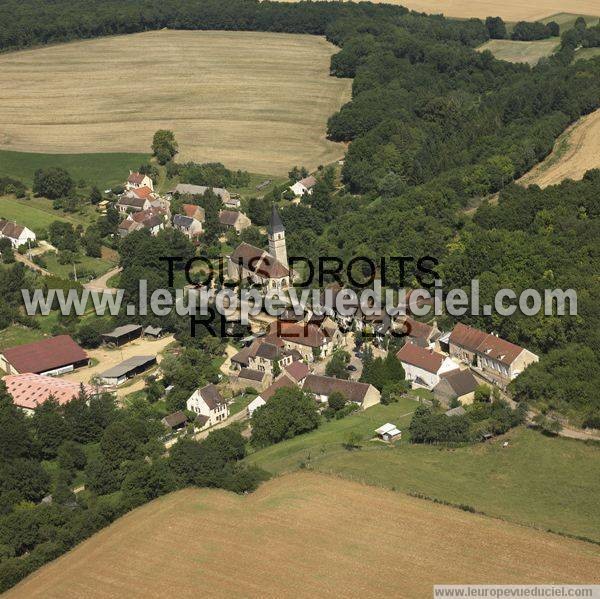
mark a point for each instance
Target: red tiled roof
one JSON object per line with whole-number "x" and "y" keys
{"x": 280, "y": 383}
{"x": 416, "y": 329}
{"x": 297, "y": 370}
{"x": 308, "y": 182}
{"x": 484, "y": 343}
{"x": 142, "y": 192}
{"x": 304, "y": 334}
{"x": 499, "y": 349}
{"x": 466, "y": 336}
{"x": 425, "y": 359}
{"x": 191, "y": 210}
{"x": 31, "y": 390}
{"x": 45, "y": 355}
{"x": 135, "y": 178}
{"x": 271, "y": 267}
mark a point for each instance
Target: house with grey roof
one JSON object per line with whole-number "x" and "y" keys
{"x": 456, "y": 384}
{"x": 186, "y": 189}
{"x": 189, "y": 226}
{"x": 207, "y": 401}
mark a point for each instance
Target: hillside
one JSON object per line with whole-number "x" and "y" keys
{"x": 304, "y": 535}
{"x": 575, "y": 152}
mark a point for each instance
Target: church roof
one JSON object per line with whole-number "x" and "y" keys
{"x": 275, "y": 224}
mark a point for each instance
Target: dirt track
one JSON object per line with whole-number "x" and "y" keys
{"x": 107, "y": 358}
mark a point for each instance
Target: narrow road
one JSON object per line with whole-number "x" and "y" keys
{"x": 241, "y": 415}
{"x": 101, "y": 283}
{"x": 31, "y": 265}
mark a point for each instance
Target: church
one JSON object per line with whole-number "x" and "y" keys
{"x": 269, "y": 269}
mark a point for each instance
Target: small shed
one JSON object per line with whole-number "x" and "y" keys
{"x": 154, "y": 332}
{"x": 175, "y": 421}
{"x": 127, "y": 369}
{"x": 388, "y": 432}
{"x": 123, "y": 334}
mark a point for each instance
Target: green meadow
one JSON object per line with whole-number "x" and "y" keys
{"x": 547, "y": 483}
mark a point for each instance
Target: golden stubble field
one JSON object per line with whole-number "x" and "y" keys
{"x": 305, "y": 535}
{"x": 510, "y": 10}
{"x": 256, "y": 101}
{"x": 575, "y": 152}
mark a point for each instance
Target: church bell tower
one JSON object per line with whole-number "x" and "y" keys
{"x": 277, "y": 238}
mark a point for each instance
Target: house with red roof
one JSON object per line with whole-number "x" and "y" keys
{"x": 298, "y": 371}
{"x": 423, "y": 367}
{"x": 502, "y": 360}
{"x": 54, "y": 355}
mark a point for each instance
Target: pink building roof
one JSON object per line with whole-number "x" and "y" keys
{"x": 31, "y": 390}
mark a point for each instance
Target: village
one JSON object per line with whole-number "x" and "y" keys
{"x": 292, "y": 350}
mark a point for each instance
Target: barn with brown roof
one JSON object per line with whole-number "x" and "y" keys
{"x": 456, "y": 384}
{"x": 48, "y": 356}
{"x": 322, "y": 387}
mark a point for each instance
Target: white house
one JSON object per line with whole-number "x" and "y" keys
{"x": 136, "y": 180}
{"x": 17, "y": 234}
{"x": 261, "y": 400}
{"x": 423, "y": 367}
{"x": 304, "y": 186}
{"x": 209, "y": 405}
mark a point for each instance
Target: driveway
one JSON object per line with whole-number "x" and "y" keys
{"x": 101, "y": 283}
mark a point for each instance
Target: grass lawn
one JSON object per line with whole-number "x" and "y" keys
{"x": 514, "y": 51}
{"x": 240, "y": 402}
{"x": 38, "y": 213}
{"x": 536, "y": 480}
{"x": 250, "y": 190}
{"x": 85, "y": 264}
{"x": 18, "y": 335}
{"x": 103, "y": 170}
{"x": 587, "y": 53}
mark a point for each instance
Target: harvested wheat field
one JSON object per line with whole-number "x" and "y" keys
{"x": 509, "y": 10}
{"x": 256, "y": 101}
{"x": 305, "y": 535}
{"x": 575, "y": 152}
{"x": 529, "y": 52}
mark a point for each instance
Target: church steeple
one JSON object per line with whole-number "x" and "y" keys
{"x": 275, "y": 224}
{"x": 277, "y": 237}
